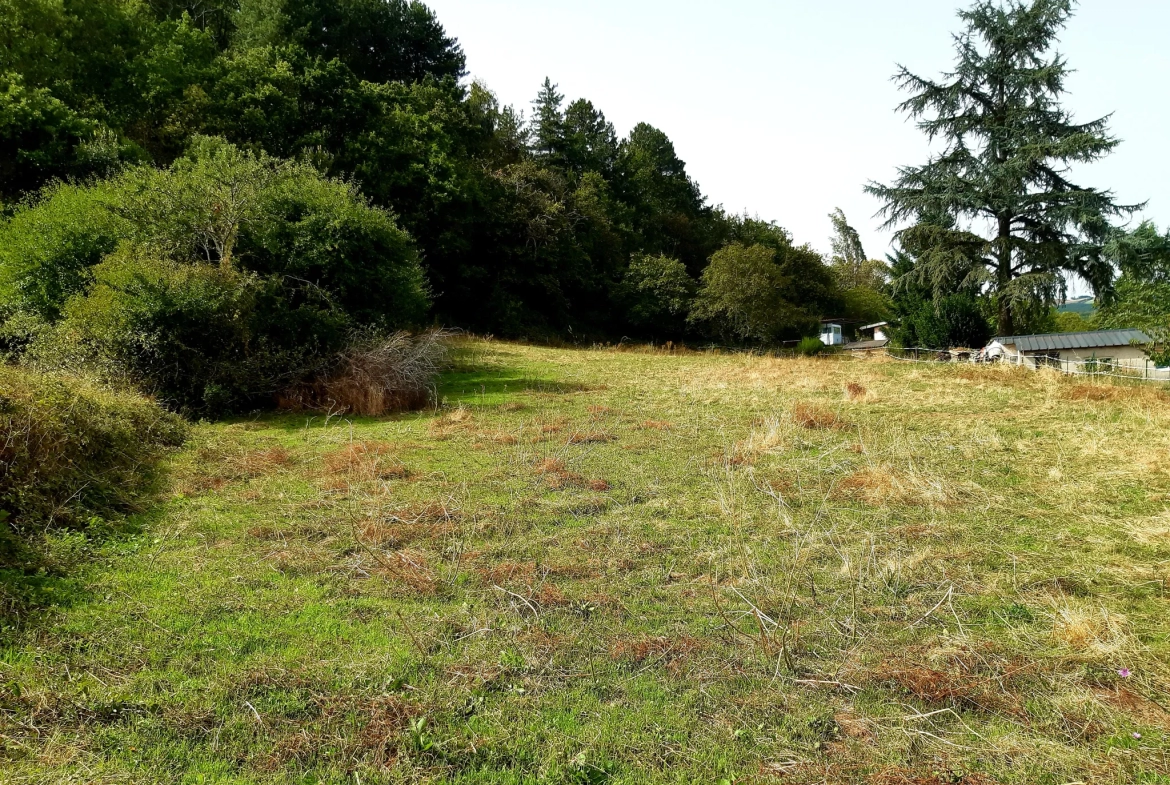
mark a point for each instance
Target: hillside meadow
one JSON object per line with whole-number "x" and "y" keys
{"x": 603, "y": 566}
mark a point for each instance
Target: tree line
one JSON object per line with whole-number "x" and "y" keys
{"x": 206, "y": 197}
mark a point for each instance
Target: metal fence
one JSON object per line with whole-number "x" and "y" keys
{"x": 1133, "y": 371}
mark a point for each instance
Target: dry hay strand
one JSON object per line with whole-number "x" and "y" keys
{"x": 1090, "y": 632}
{"x": 376, "y": 375}
{"x": 1150, "y": 531}
{"x": 512, "y": 407}
{"x": 1003, "y": 374}
{"x": 365, "y": 461}
{"x": 260, "y": 462}
{"x": 816, "y": 418}
{"x": 773, "y": 434}
{"x": 883, "y": 484}
{"x": 669, "y": 652}
{"x": 655, "y": 425}
{"x": 412, "y": 524}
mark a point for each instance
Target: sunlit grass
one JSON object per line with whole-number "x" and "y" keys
{"x": 604, "y": 566}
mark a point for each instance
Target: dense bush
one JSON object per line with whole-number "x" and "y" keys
{"x": 200, "y": 338}
{"x": 71, "y": 450}
{"x": 212, "y": 285}
{"x": 51, "y": 242}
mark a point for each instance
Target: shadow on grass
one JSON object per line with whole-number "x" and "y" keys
{"x": 54, "y": 570}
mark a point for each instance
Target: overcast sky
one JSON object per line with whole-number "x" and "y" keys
{"x": 785, "y": 108}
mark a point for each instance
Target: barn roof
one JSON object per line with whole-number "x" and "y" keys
{"x": 1098, "y": 339}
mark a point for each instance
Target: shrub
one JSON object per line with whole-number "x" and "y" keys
{"x": 325, "y": 232}
{"x": 200, "y": 338}
{"x": 376, "y": 375}
{"x": 812, "y": 346}
{"x": 49, "y": 245}
{"x": 71, "y": 450}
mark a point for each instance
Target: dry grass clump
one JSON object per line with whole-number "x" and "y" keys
{"x": 365, "y": 461}
{"x": 450, "y": 422}
{"x": 1108, "y": 391}
{"x": 1094, "y": 632}
{"x": 815, "y": 418}
{"x": 376, "y": 375}
{"x": 856, "y": 392}
{"x": 259, "y": 462}
{"x": 901, "y": 776}
{"x": 655, "y": 425}
{"x": 382, "y": 737}
{"x": 558, "y": 477}
{"x": 883, "y": 484}
{"x": 669, "y": 652}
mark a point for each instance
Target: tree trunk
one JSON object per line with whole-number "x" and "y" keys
{"x": 1006, "y": 324}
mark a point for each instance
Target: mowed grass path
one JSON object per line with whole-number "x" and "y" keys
{"x": 624, "y": 567}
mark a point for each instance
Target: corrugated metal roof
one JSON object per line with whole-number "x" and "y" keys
{"x": 858, "y": 346}
{"x": 1099, "y": 339}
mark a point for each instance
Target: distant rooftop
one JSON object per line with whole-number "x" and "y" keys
{"x": 1097, "y": 339}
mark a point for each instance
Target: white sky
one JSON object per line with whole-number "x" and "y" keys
{"x": 785, "y": 107}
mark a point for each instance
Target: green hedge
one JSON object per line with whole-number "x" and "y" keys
{"x": 71, "y": 450}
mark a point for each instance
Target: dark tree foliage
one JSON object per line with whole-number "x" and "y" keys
{"x": 379, "y": 40}
{"x": 1009, "y": 146}
{"x": 925, "y": 321}
{"x": 545, "y": 225}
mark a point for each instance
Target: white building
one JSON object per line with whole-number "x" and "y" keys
{"x": 831, "y": 334}
{"x": 1101, "y": 351}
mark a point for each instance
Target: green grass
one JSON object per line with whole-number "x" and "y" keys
{"x": 632, "y": 567}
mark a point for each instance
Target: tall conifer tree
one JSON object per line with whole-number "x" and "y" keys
{"x": 1009, "y": 147}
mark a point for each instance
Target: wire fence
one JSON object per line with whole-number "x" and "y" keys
{"x": 1132, "y": 370}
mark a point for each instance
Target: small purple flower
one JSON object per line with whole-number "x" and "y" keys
{"x": 1137, "y": 736}
{"x": 1125, "y": 673}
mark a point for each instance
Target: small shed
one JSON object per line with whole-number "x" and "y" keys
{"x": 871, "y": 337}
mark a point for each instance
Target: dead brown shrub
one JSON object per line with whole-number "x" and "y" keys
{"x": 376, "y": 375}
{"x": 365, "y": 461}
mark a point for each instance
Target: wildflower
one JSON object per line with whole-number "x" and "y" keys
{"x": 1137, "y": 736}
{"x": 1125, "y": 673}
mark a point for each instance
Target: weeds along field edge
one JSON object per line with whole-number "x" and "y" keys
{"x": 604, "y": 566}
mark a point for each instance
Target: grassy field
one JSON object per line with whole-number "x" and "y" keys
{"x": 631, "y": 567}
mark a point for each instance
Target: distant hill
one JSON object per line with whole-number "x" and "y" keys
{"x": 1085, "y": 306}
